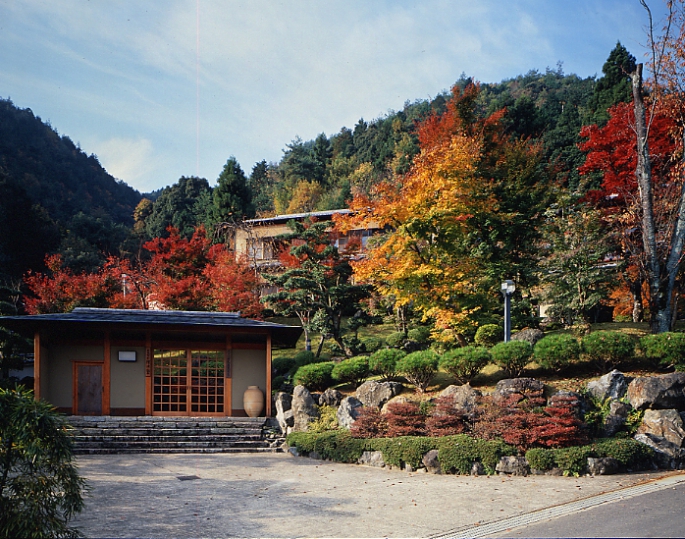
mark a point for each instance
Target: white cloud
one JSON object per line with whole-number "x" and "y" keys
{"x": 130, "y": 160}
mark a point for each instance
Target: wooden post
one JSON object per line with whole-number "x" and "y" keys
{"x": 267, "y": 392}
{"x": 228, "y": 378}
{"x": 36, "y": 365}
{"x": 148, "y": 373}
{"x": 106, "y": 375}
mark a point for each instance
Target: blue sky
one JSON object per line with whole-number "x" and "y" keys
{"x": 161, "y": 89}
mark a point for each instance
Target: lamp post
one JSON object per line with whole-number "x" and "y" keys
{"x": 508, "y": 288}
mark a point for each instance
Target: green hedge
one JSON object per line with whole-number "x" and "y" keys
{"x": 630, "y": 454}
{"x": 455, "y": 453}
{"x": 383, "y": 362}
{"x": 665, "y": 349}
{"x": 458, "y": 453}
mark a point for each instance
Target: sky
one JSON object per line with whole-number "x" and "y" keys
{"x": 159, "y": 89}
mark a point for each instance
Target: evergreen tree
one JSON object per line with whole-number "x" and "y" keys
{"x": 615, "y": 86}
{"x": 231, "y": 198}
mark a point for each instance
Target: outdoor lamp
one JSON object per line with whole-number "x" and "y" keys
{"x": 508, "y": 289}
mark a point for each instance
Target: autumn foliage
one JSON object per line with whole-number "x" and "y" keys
{"x": 180, "y": 274}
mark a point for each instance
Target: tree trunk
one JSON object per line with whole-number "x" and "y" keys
{"x": 643, "y": 175}
{"x": 636, "y": 292}
{"x": 661, "y": 275}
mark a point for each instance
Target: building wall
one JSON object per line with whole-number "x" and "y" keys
{"x": 44, "y": 372}
{"x": 60, "y": 376}
{"x": 248, "y": 369}
{"x": 127, "y": 380}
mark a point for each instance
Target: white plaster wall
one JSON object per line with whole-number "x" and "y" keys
{"x": 127, "y": 379}
{"x": 248, "y": 369}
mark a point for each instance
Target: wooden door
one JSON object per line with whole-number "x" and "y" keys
{"x": 88, "y": 389}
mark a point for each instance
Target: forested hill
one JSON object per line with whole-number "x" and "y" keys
{"x": 56, "y": 173}
{"x": 54, "y": 197}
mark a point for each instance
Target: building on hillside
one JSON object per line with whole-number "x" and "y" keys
{"x": 139, "y": 362}
{"x": 257, "y": 239}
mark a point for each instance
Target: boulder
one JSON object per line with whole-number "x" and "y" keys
{"x": 477, "y": 469}
{"x": 602, "y": 466}
{"x": 348, "y": 411}
{"x": 658, "y": 392}
{"x": 612, "y": 385}
{"x": 529, "y": 335}
{"x": 568, "y": 399}
{"x": 372, "y": 458}
{"x": 431, "y": 462}
{"x": 514, "y": 390}
{"x": 304, "y": 409}
{"x": 665, "y": 424}
{"x": 666, "y": 454}
{"x": 284, "y": 413}
{"x": 376, "y": 394}
{"x": 331, "y": 397}
{"x": 394, "y": 400}
{"x": 513, "y": 466}
{"x": 618, "y": 413}
{"x": 464, "y": 396}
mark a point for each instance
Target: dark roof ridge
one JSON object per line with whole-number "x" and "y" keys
{"x": 153, "y": 311}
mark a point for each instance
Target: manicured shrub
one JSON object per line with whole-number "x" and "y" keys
{"x": 512, "y": 357}
{"x": 396, "y": 339}
{"x": 465, "y": 363}
{"x": 631, "y": 454}
{"x": 419, "y": 334}
{"x": 403, "y": 450}
{"x": 369, "y": 424}
{"x": 665, "y": 348}
{"x": 306, "y": 357}
{"x": 445, "y": 419}
{"x": 315, "y": 376}
{"x": 371, "y": 344}
{"x": 337, "y": 445}
{"x": 457, "y": 454}
{"x": 352, "y": 371}
{"x": 556, "y": 352}
{"x": 489, "y": 335}
{"x": 573, "y": 460}
{"x": 540, "y": 459}
{"x": 383, "y": 362}
{"x": 418, "y": 368}
{"x": 405, "y": 419}
{"x": 608, "y": 348}
{"x": 284, "y": 365}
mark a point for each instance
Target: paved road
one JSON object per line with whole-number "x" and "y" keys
{"x": 282, "y": 496}
{"x": 657, "y": 514}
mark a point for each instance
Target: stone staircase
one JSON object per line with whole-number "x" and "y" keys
{"x": 152, "y": 434}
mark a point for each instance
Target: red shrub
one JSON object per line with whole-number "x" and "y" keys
{"x": 445, "y": 419}
{"x": 369, "y": 424}
{"x": 405, "y": 419}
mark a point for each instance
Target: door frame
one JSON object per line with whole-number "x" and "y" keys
{"x": 74, "y": 390}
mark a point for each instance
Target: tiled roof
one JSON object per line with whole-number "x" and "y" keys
{"x": 285, "y": 334}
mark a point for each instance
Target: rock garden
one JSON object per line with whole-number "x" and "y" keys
{"x": 386, "y": 409}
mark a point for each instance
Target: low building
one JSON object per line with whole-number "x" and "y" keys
{"x": 139, "y": 362}
{"x": 257, "y": 239}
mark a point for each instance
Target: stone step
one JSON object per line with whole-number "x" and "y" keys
{"x": 147, "y": 434}
{"x": 156, "y": 450}
{"x": 126, "y": 431}
{"x": 178, "y": 438}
